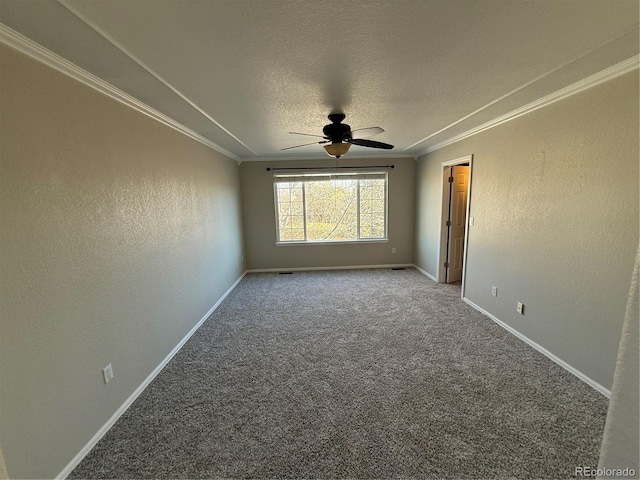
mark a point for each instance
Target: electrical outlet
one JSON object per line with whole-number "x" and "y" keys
{"x": 107, "y": 373}
{"x": 494, "y": 291}
{"x": 520, "y": 308}
{"x": 393, "y": 250}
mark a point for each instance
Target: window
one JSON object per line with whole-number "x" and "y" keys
{"x": 331, "y": 208}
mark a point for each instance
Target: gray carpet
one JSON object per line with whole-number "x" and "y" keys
{"x": 358, "y": 374}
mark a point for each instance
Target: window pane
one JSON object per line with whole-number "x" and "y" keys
{"x": 365, "y": 206}
{"x": 290, "y": 211}
{"x": 331, "y": 210}
{"x": 372, "y": 208}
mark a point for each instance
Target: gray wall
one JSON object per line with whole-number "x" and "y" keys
{"x": 117, "y": 235}
{"x": 260, "y": 223}
{"x": 555, "y": 202}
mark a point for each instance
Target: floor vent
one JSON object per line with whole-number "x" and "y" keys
{"x": 397, "y": 268}
{"x": 285, "y": 273}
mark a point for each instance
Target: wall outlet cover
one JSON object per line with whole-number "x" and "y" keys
{"x": 107, "y": 373}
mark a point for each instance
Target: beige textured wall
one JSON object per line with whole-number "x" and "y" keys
{"x": 260, "y": 223}
{"x": 117, "y": 235}
{"x": 429, "y": 177}
{"x": 555, "y": 203}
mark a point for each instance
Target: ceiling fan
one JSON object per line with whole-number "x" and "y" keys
{"x": 340, "y": 137}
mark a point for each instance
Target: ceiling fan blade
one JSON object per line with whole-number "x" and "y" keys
{"x": 370, "y": 143}
{"x": 306, "y": 134}
{"x": 305, "y": 144}
{"x": 366, "y": 132}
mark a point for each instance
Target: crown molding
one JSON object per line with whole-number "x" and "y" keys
{"x": 605, "y": 75}
{"x": 148, "y": 69}
{"x": 324, "y": 156}
{"x": 28, "y": 47}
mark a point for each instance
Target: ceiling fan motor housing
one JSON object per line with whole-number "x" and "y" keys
{"x": 336, "y": 131}
{"x": 338, "y": 137}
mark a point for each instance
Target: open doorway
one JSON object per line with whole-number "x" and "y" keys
{"x": 456, "y": 188}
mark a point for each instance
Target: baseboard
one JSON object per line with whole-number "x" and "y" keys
{"x": 132, "y": 398}
{"x": 589, "y": 381}
{"x": 337, "y": 267}
{"x": 114, "y": 418}
{"x": 425, "y": 273}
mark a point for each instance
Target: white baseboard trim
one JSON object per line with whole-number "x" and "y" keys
{"x": 118, "y": 413}
{"x": 592, "y": 383}
{"x": 132, "y": 398}
{"x": 425, "y": 273}
{"x": 337, "y": 267}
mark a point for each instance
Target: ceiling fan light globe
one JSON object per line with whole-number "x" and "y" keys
{"x": 337, "y": 149}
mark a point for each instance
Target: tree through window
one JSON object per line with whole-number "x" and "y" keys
{"x": 331, "y": 208}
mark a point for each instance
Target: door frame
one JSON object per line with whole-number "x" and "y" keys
{"x": 444, "y": 216}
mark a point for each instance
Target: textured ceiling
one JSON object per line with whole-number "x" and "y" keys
{"x": 243, "y": 73}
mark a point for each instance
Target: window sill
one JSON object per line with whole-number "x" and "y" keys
{"x": 334, "y": 242}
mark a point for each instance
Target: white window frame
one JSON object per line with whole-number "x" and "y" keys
{"x": 286, "y": 178}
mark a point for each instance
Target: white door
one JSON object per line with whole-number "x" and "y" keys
{"x": 457, "y": 222}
